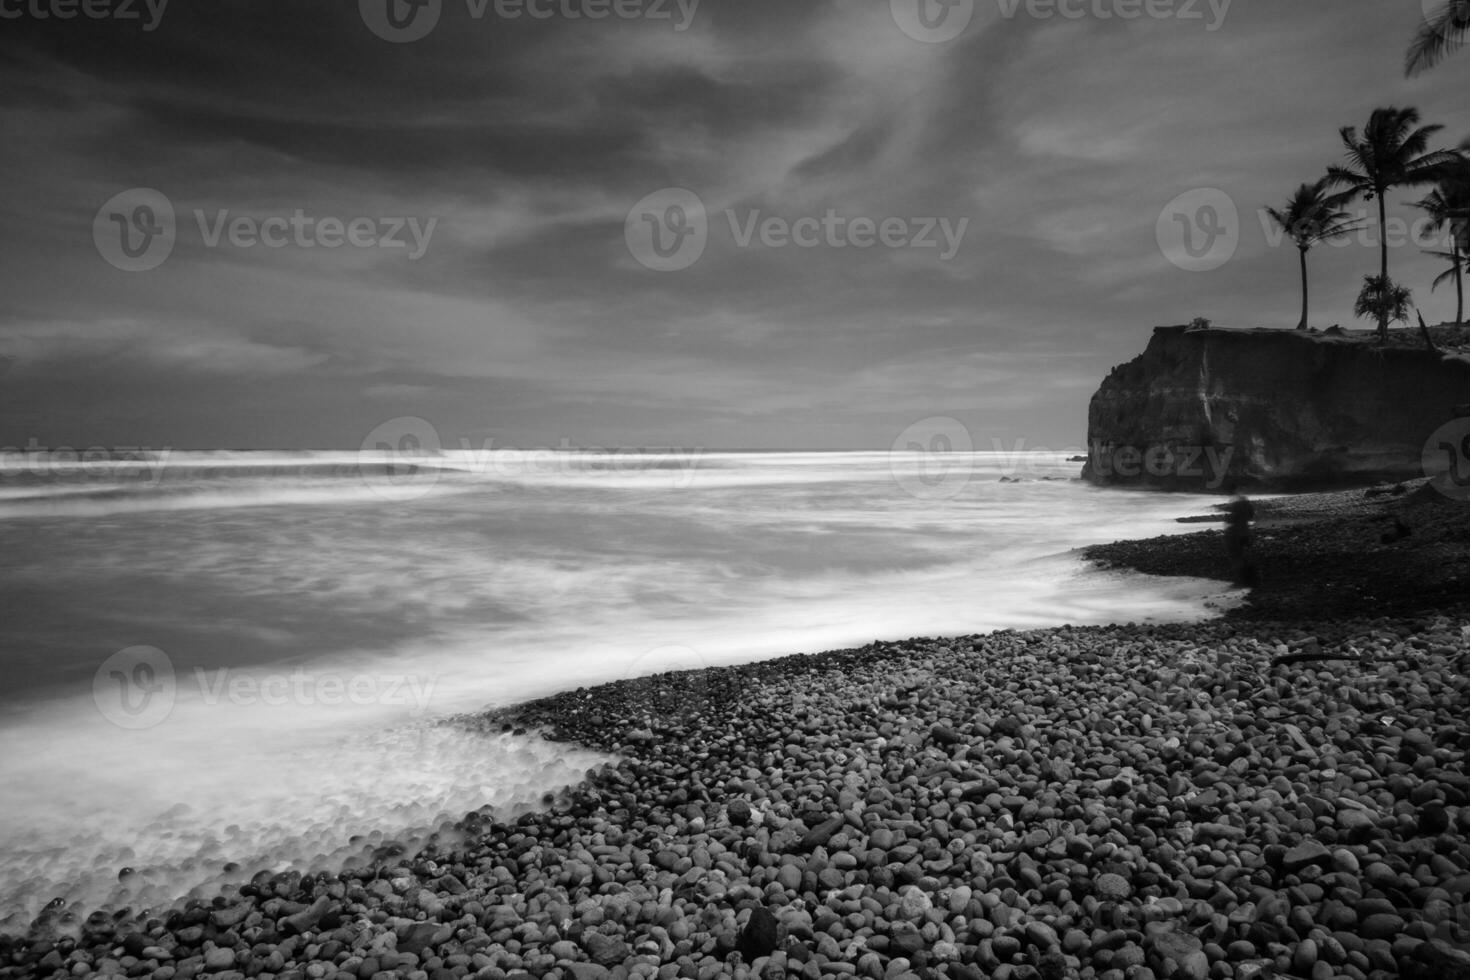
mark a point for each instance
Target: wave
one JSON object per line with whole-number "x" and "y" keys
{"x": 506, "y": 576}
{"x": 39, "y": 484}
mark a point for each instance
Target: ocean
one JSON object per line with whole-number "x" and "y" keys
{"x": 248, "y": 657}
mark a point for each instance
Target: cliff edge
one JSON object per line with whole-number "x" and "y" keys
{"x": 1212, "y": 409}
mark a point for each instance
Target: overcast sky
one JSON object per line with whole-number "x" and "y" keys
{"x": 971, "y": 223}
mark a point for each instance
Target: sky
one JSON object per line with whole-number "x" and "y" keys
{"x": 288, "y": 224}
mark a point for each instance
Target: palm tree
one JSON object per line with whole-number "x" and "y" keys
{"x": 1446, "y": 207}
{"x": 1442, "y": 32}
{"x": 1456, "y": 271}
{"x": 1311, "y": 216}
{"x": 1391, "y": 153}
{"x": 1386, "y": 302}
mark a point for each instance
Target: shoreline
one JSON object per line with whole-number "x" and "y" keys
{"x": 1118, "y": 801}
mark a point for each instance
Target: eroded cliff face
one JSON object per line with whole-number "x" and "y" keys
{"x": 1215, "y": 408}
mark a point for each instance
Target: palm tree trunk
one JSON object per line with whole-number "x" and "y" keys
{"x": 1303, "y": 324}
{"x": 1459, "y": 286}
{"x": 1383, "y": 267}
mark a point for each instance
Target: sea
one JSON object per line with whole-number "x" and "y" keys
{"x": 217, "y": 663}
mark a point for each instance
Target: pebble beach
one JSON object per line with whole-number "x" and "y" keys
{"x": 1281, "y": 791}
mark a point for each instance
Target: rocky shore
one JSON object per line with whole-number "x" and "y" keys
{"x": 1218, "y": 800}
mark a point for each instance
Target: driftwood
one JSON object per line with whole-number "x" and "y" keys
{"x": 1424, "y": 331}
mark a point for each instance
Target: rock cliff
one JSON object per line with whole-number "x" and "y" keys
{"x": 1210, "y": 409}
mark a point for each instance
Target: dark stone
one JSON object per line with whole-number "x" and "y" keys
{"x": 1307, "y": 853}
{"x": 1053, "y": 966}
{"x": 944, "y": 735}
{"x": 819, "y": 835}
{"x": 605, "y": 949}
{"x": 760, "y": 937}
{"x": 423, "y": 935}
{"x": 1008, "y": 725}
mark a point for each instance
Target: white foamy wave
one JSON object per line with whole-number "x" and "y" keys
{"x": 104, "y": 501}
{"x": 44, "y": 485}
{"x": 215, "y": 793}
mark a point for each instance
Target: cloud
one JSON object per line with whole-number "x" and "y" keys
{"x": 1057, "y": 140}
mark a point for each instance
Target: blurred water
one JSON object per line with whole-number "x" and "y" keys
{"x": 285, "y": 630}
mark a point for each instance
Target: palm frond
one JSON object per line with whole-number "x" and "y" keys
{"x": 1337, "y": 201}
{"x": 1356, "y": 181}
{"x": 1440, "y": 34}
{"x": 1348, "y": 226}
{"x": 1458, "y": 262}
{"x": 1416, "y": 143}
